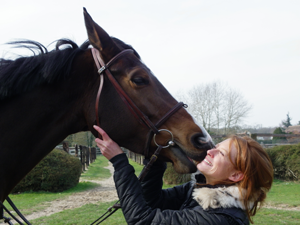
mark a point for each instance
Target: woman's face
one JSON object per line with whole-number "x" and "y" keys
{"x": 217, "y": 166}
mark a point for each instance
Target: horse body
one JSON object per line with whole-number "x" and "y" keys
{"x": 56, "y": 98}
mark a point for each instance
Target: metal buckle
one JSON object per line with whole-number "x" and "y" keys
{"x": 101, "y": 69}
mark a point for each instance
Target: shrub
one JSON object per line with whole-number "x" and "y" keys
{"x": 172, "y": 177}
{"x": 286, "y": 161}
{"x": 57, "y": 172}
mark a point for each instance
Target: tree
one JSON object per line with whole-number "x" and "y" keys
{"x": 200, "y": 102}
{"x": 286, "y": 123}
{"x": 81, "y": 138}
{"x": 235, "y": 108}
{"x": 278, "y": 130}
{"x": 216, "y": 105}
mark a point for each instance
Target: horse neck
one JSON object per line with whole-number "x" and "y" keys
{"x": 33, "y": 123}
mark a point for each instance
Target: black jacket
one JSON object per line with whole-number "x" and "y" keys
{"x": 147, "y": 203}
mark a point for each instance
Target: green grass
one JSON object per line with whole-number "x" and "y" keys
{"x": 137, "y": 167}
{"x": 30, "y": 202}
{"x": 96, "y": 170}
{"x": 282, "y": 193}
{"x": 275, "y": 217}
{"x": 83, "y": 215}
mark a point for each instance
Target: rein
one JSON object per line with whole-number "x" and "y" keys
{"x": 7, "y": 219}
{"x": 103, "y": 68}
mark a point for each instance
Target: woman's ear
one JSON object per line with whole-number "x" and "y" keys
{"x": 236, "y": 176}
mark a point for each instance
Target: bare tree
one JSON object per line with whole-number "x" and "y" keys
{"x": 218, "y": 90}
{"x": 235, "y": 108}
{"x": 216, "y": 105}
{"x": 199, "y": 100}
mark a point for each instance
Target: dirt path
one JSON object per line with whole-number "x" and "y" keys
{"x": 105, "y": 193}
{"x": 282, "y": 207}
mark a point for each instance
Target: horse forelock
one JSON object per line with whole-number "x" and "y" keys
{"x": 123, "y": 45}
{"x": 25, "y": 73}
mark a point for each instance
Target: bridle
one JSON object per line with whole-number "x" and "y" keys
{"x": 153, "y": 128}
{"x": 104, "y": 69}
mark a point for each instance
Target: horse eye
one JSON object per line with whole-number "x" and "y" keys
{"x": 140, "y": 81}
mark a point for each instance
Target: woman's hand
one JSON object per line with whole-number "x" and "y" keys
{"x": 107, "y": 146}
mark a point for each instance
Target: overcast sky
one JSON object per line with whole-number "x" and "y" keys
{"x": 254, "y": 45}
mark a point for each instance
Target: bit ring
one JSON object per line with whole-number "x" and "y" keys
{"x": 170, "y": 142}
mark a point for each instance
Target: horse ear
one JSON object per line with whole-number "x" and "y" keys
{"x": 99, "y": 39}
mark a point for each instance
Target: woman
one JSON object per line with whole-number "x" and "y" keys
{"x": 235, "y": 177}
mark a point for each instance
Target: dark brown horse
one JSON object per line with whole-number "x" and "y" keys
{"x": 46, "y": 97}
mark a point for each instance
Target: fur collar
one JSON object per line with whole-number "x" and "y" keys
{"x": 220, "y": 197}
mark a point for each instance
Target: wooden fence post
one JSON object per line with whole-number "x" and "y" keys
{"x": 76, "y": 150}
{"x": 87, "y": 158}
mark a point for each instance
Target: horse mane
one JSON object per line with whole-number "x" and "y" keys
{"x": 25, "y": 73}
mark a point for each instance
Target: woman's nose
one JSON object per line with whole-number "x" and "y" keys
{"x": 212, "y": 152}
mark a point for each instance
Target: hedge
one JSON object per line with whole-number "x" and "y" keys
{"x": 286, "y": 161}
{"x": 57, "y": 172}
{"x": 172, "y": 177}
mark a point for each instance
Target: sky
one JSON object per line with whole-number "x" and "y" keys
{"x": 253, "y": 46}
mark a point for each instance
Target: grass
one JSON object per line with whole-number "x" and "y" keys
{"x": 96, "y": 170}
{"x": 277, "y": 217}
{"x": 83, "y": 215}
{"x": 137, "y": 167}
{"x": 30, "y": 202}
{"x": 282, "y": 193}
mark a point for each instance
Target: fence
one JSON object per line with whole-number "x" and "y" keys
{"x": 269, "y": 143}
{"x": 267, "y": 140}
{"x": 86, "y": 155}
{"x": 136, "y": 157}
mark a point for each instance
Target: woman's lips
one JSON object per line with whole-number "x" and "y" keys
{"x": 208, "y": 162}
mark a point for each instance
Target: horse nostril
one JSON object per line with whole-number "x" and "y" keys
{"x": 202, "y": 141}
{"x": 198, "y": 140}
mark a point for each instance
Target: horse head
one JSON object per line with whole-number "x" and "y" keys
{"x": 149, "y": 95}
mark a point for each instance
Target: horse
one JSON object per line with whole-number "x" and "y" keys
{"x": 52, "y": 94}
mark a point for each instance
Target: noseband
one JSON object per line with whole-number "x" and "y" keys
{"x": 104, "y": 68}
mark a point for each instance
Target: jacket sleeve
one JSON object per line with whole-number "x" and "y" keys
{"x": 135, "y": 209}
{"x": 155, "y": 196}
{"x": 130, "y": 194}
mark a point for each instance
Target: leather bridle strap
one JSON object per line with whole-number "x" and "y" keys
{"x": 102, "y": 67}
{"x": 178, "y": 106}
{"x": 131, "y": 105}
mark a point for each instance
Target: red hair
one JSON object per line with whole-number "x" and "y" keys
{"x": 253, "y": 161}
